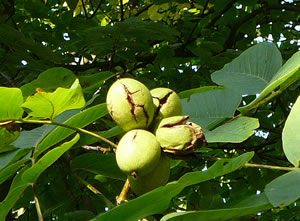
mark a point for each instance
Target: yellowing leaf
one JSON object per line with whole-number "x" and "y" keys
{"x": 49, "y": 105}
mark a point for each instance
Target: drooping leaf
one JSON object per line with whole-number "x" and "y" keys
{"x": 11, "y": 100}
{"x": 235, "y": 131}
{"x": 79, "y": 120}
{"x": 16, "y": 190}
{"x": 31, "y": 174}
{"x": 10, "y": 170}
{"x": 158, "y": 200}
{"x": 258, "y": 203}
{"x": 212, "y": 105}
{"x": 284, "y": 189}
{"x": 291, "y": 135}
{"x": 286, "y": 75}
{"x": 252, "y": 70}
{"x": 49, "y": 105}
{"x": 98, "y": 163}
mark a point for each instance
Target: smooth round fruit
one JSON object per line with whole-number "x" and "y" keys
{"x": 156, "y": 178}
{"x": 167, "y": 103}
{"x": 130, "y": 104}
{"x": 138, "y": 152}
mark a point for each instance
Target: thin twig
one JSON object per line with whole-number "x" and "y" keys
{"x": 98, "y": 148}
{"x": 37, "y": 204}
{"x": 107, "y": 202}
{"x": 270, "y": 167}
{"x": 97, "y": 8}
{"x": 69, "y": 127}
{"x": 121, "y": 10}
{"x": 85, "y": 11}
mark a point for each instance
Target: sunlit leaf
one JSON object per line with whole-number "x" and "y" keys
{"x": 291, "y": 135}
{"x": 49, "y": 105}
{"x": 11, "y": 100}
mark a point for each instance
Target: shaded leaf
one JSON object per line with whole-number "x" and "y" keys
{"x": 284, "y": 189}
{"x": 79, "y": 120}
{"x": 212, "y": 105}
{"x": 257, "y": 204}
{"x": 286, "y": 75}
{"x": 10, "y": 170}
{"x": 235, "y": 131}
{"x": 31, "y": 174}
{"x": 252, "y": 70}
{"x": 98, "y": 163}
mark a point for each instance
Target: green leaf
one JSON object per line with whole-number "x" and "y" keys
{"x": 32, "y": 138}
{"x": 10, "y": 170}
{"x": 28, "y": 175}
{"x": 157, "y": 201}
{"x": 258, "y": 203}
{"x": 72, "y": 4}
{"x": 47, "y": 160}
{"x": 79, "y": 215}
{"x": 291, "y": 135}
{"x": 8, "y": 157}
{"x": 91, "y": 83}
{"x": 79, "y": 120}
{"x": 7, "y": 137}
{"x": 234, "y": 131}
{"x": 284, "y": 189}
{"x": 16, "y": 190}
{"x": 190, "y": 92}
{"x": 286, "y": 75}
{"x": 49, "y": 105}
{"x": 50, "y": 80}
{"x": 11, "y": 100}
{"x": 98, "y": 163}
{"x": 252, "y": 70}
{"x": 211, "y": 106}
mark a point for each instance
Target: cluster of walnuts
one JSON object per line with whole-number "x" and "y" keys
{"x": 154, "y": 124}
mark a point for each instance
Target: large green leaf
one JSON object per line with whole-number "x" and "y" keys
{"x": 234, "y": 131}
{"x": 98, "y": 163}
{"x": 50, "y": 80}
{"x": 291, "y": 135}
{"x": 11, "y": 100}
{"x": 286, "y": 75}
{"x": 158, "y": 200}
{"x": 49, "y": 105}
{"x": 211, "y": 106}
{"x": 79, "y": 120}
{"x": 11, "y": 156}
{"x": 28, "y": 175}
{"x": 252, "y": 70}
{"x": 190, "y": 92}
{"x": 284, "y": 189}
{"x": 257, "y": 204}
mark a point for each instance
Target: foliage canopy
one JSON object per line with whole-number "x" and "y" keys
{"x": 235, "y": 65}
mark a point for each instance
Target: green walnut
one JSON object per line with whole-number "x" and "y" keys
{"x": 157, "y": 177}
{"x": 138, "y": 152}
{"x": 167, "y": 103}
{"x": 130, "y": 104}
{"x": 178, "y": 136}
